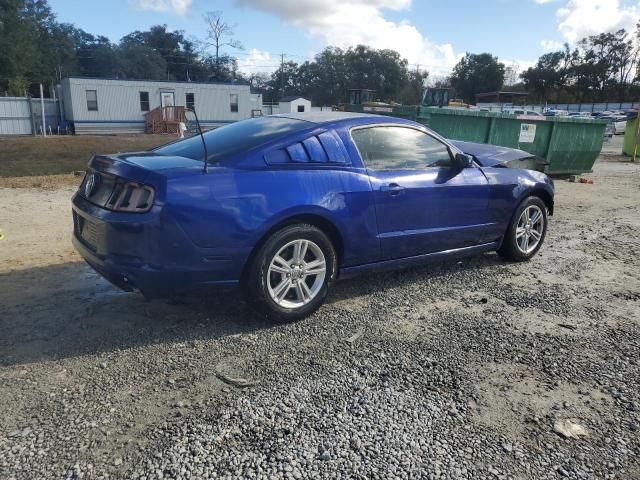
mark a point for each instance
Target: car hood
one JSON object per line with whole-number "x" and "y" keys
{"x": 490, "y": 155}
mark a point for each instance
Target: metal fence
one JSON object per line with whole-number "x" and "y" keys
{"x": 569, "y": 107}
{"x": 594, "y": 107}
{"x": 23, "y": 116}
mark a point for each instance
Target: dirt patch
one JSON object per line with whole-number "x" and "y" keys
{"x": 512, "y": 398}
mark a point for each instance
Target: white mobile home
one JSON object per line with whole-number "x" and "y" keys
{"x": 100, "y": 106}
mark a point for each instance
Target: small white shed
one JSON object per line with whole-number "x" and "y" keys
{"x": 294, "y": 104}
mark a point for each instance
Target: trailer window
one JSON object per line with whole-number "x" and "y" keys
{"x": 144, "y": 101}
{"x": 92, "y": 100}
{"x": 234, "y": 102}
{"x": 191, "y": 101}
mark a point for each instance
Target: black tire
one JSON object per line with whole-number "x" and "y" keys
{"x": 510, "y": 250}
{"x": 256, "y": 280}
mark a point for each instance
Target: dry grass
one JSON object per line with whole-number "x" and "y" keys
{"x": 45, "y": 182}
{"x": 32, "y": 156}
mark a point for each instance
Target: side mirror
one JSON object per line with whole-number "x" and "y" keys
{"x": 462, "y": 160}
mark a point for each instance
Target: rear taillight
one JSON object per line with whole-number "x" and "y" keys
{"x": 131, "y": 197}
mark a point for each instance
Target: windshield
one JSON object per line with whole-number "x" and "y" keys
{"x": 234, "y": 138}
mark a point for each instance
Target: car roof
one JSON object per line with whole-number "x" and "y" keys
{"x": 334, "y": 117}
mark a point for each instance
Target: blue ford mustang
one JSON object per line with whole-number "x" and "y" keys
{"x": 286, "y": 204}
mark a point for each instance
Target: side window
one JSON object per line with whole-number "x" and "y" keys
{"x": 234, "y": 101}
{"x": 399, "y": 148}
{"x": 92, "y": 100}
{"x": 144, "y": 101}
{"x": 191, "y": 101}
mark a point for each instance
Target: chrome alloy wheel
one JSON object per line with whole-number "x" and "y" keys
{"x": 296, "y": 274}
{"x": 530, "y": 229}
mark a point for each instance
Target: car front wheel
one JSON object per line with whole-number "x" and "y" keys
{"x": 291, "y": 274}
{"x": 526, "y": 232}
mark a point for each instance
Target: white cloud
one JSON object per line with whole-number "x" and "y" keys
{"x": 258, "y": 61}
{"x": 551, "y": 45}
{"x": 581, "y": 18}
{"x": 350, "y": 22}
{"x": 544, "y": 2}
{"x": 519, "y": 65}
{"x": 177, "y": 6}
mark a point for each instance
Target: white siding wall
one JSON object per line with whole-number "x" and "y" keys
{"x": 119, "y": 103}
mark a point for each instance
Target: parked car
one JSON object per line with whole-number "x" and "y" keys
{"x": 517, "y": 111}
{"x": 555, "y": 113}
{"x": 618, "y": 123}
{"x": 285, "y": 205}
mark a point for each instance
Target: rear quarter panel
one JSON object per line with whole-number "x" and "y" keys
{"x": 231, "y": 209}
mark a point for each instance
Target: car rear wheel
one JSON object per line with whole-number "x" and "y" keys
{"x": 290, "y": 275}
{"x": 526, "y": 232}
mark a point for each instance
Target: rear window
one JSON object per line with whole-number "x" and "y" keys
{"x": 234, "y": 138}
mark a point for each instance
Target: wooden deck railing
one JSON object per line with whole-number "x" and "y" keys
{"x": 164, "y": 119}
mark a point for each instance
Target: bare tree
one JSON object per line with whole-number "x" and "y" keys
{"x": 511, "y": 74}
{"x": 220, "y": 35}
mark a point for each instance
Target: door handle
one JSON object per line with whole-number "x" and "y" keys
{"x": 392, "y": 188}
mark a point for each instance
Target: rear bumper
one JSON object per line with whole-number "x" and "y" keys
{"x": 148, "y": 252}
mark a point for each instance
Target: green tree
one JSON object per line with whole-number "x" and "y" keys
{"x": 31, "y": 41}
{"x": 222, "y": 69}
{"x": 17, "y": 87}
{"x": 550, "y": 73}
{"x": 325, "y": 80}
{"x": 477, "y": 73}
{"x": 285, "y": 80}
{"x": 178, "y": 53}
{"x": 141, "y": 62}
{"x": 600, "y": 68}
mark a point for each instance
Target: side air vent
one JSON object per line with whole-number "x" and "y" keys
{"x": 324, "y": 148}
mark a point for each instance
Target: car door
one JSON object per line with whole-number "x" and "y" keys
{"x": 423, "y": 203}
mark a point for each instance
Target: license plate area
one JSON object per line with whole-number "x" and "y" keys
{"x": 86, "y": 230}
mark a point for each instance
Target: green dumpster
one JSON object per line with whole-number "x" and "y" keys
{"x": 569, "y": 145}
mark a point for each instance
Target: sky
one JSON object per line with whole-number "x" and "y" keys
{"x": 431, "y": 34}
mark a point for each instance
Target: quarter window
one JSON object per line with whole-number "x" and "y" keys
{"x": 191, "y": 101}
{"x": 144, "y": 101}
{"x": 234, "y": 102}
{"x": 92, "y": 100}
{"x": 400, "y": 148}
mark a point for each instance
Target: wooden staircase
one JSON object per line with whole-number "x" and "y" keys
{"x": 164, "y": 119}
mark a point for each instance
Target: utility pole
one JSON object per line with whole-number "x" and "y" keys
{"x": 44, "y": 121}
{"x": 281, "y": 75}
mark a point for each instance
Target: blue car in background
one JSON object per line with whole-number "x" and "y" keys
{"x": 284, "y": 205}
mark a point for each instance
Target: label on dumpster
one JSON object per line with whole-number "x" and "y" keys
{"x": 527, "y": 133}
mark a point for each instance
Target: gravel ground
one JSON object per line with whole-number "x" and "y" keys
{"x": 479, "y": 369}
